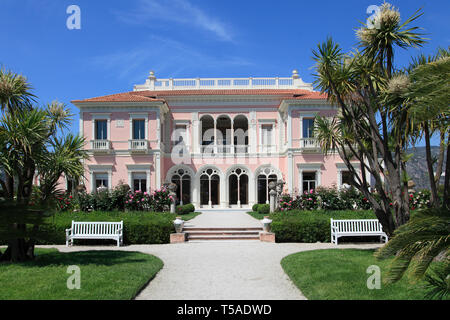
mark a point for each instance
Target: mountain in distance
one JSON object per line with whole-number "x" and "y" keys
{"x": 417, "y": 169}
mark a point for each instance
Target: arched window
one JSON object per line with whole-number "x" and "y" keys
{"x": 238, "y": 186}
{"x": 266, "y": 176}
{"x": 209, "y": 187}
{"x": 182, "y": 179}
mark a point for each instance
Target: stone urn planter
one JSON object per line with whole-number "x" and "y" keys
{"x": 266, "y": 222}
{"x": 178, "y": 224}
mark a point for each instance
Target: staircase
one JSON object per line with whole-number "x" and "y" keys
{"x": 222, "y": 233}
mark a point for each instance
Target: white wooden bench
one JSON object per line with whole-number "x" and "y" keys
{"x": 356, "y": 228}
{"x": 95, "y": 230}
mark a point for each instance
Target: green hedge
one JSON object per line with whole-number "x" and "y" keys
{"x": 264, "y": 209}
{"x": 310, "y": 226}
{"x": 185, "y": 209}
{"x": 139, "y": 227}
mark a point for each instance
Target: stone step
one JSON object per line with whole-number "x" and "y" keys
{"x": 222, "y": 233}
{"x": 226, "y": 237}
{"x": 189, "y": 229}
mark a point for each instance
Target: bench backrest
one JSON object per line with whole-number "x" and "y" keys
{"x": 96, "y": 228}
{"x": 362, "y": 225}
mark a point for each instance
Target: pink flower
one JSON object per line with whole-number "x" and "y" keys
{"x": 310, "y": 199}
{"x": 311, "y": 191}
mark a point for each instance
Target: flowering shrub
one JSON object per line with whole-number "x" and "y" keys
{"x": 161, "y": 200}
{"x": 85, "y": 201}
{"x": 420, "y": 200}
{"x": 64, "y": 202}
{"x": 329, "y": 199}
{"x": 138, "y": 201}
{"x": 119, "y": 195}
{"x": 286, "y": 202}
{"x": 326, "y": 199}
{"x": 309, "y": 200}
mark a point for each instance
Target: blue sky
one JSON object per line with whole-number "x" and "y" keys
{"x": 121, "y": 41}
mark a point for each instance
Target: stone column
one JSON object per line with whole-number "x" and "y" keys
{"x": 172, "y": 192}
{"x": 272, "y": 194}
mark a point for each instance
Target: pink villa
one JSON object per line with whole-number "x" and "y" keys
{"x": 221, "y": 140}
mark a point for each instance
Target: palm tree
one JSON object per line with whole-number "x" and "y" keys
{"x": 29, "y": 140}
{"x": 65, "y": 158}
{"x": 423, "y": 92}
{"x": 15, "y": 92}
{"x": 416, "y": 244}
{"x": 363, "y": 129}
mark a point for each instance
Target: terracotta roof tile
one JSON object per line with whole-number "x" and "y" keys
{"x": 147, "y": 96}
{"x": 120, "y": 97}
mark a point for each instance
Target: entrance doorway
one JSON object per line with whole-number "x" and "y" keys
{"x": 209, "y": 188}
{"x": 238, "y": 187}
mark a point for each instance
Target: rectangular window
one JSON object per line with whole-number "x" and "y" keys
{"x": 180, "y": 134}
{"x": 138, "y": 129}
{"x": 101, "y": 180}
{"x": 101, "y": 131}
{"x": 308, "y": 128}
{"x": 347, "y": 177}
{"x": 266, "y": 131}
{"x": 71, "y": 184}
{"x": 309, "y": 181}
{"x": 139, "y": 182}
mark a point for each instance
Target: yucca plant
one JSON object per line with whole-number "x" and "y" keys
{"x": 415, "y": 245}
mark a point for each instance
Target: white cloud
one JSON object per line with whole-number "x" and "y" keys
{"x": 167, "y": 57}
{"x": 149, "y": 12}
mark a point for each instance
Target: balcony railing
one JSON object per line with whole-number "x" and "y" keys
{"x": 309, "y": 143}
{"x": 224, "y": 148}
{"x": 138, "y": 145}
{"x": 100, "y": 145}
{"x": 154, "y": 84}
{"x": 266, "y": 148}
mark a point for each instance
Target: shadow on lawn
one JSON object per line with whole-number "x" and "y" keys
{"x": 97, "y": 257}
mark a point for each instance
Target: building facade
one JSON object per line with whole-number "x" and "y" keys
{"x": 220, "y": 140}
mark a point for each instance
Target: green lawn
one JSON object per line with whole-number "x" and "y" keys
{"x": 114, "y": 275}
{"x": 340, "y": 274}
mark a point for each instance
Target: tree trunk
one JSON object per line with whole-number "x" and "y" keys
{"x": 434, "y": 196}
{"x": 9, "y": 183}
{"x": 18, "y": 250}
{"x": 447, "y": 180}
{"x": 440, "y": 164}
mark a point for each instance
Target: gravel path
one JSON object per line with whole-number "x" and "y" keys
{"x": 224, "y": 219}
{"x": 222, "y": 270}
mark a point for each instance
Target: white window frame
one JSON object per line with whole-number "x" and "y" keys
{"x": 100, "y": 169}
{"x": 138, "y": 116}
{"x": 303, "y": 115}
{"x": 342, "y": 167}
{"x": 139, "y": 168}
{"x": 101, "y": 116}
{"x": 309, "y": 167}
{"x": 265, "y": 148}
{"x": 186, "y": 123}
